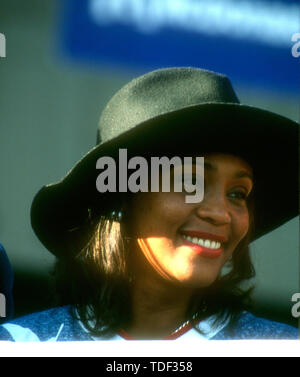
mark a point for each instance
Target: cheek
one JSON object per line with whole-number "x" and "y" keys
{"x": 168, "y": 261}
{"x": 241, "y": 225}
{"x": 159, "y": 216}
{"x": 157, "y": 252}
{"x": 161, "y": 247}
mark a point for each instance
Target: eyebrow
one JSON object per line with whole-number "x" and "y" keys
{"x": 240, "y": 174}
{"x": 244, "y": 174}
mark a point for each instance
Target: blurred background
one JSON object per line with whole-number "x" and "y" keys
{"x": 66, "y": 58}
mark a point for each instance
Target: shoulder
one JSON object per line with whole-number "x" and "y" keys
{"x": 57, "y": 324}
{"x": 248, "y": 326}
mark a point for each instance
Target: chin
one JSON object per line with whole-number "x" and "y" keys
{"x": 204, "y": 280}
{"x": 198, "y": 275}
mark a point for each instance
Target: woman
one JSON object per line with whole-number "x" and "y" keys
{"x": 149, "y": 264}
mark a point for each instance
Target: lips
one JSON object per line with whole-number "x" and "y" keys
{"x": 205, "y": 235}
{"x": 206, "y": 244}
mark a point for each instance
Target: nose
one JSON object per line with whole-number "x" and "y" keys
{"x": 214, "y": 208}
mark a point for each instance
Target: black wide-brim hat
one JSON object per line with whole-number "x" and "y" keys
{"x": 174, "y": 111}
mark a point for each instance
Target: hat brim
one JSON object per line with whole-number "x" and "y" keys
{"x": 269, "y": 142}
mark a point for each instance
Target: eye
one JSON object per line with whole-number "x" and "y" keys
{"x": 240, "y": 195}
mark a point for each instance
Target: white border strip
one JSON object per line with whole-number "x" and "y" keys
{"x": 158, "y": 349}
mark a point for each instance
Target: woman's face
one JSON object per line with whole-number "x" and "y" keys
{"x": 190, "y": 243}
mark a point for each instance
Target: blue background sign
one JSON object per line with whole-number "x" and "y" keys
{"x": 251, "y": 41}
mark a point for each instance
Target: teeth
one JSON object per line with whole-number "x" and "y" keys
{"x": 206, "y": 243}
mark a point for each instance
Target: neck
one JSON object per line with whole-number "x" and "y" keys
{"x": 158, "y": 307}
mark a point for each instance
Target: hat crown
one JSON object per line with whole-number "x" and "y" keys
{"x": 160, "y": 92}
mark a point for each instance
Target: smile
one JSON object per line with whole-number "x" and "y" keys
{"x": 209, "y": 244}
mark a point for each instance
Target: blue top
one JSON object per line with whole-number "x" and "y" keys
{"x": 58, "y": 324}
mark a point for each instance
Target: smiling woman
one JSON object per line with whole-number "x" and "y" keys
{"x": 191, "y": 243}
{"x": 149, "y": 264}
